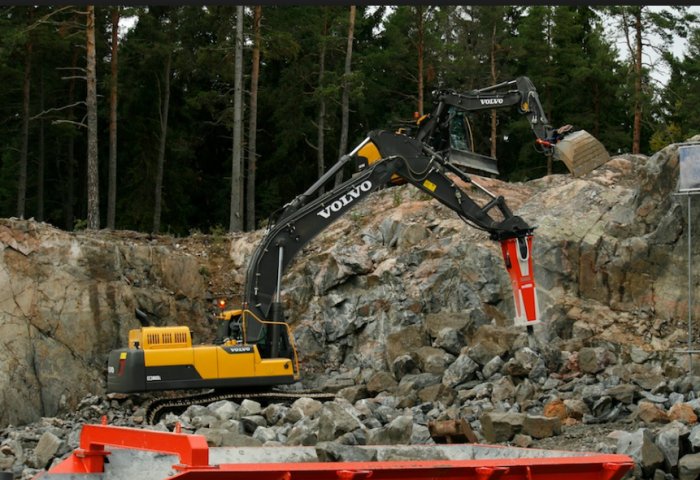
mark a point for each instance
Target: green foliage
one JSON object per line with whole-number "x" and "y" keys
{"x": 580, "y": 77}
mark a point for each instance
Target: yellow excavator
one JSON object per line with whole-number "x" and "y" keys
{"x": 255, "y": 346}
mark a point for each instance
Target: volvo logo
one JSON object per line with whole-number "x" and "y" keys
{"x": 346, "y": 199}
{"x": 491, "y": 101}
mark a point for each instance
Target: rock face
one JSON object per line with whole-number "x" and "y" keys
{"x": 399, "y": 285}
{"x": 68, "y": 299}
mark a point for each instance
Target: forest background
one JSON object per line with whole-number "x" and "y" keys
{"x": 209, "y": 118}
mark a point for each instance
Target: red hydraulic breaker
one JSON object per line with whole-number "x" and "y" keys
{"x": 516, "y": 254}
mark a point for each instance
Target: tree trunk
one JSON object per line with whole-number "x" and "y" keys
{"x": 494, "y": 81}
{"x": 235, "y": 220}
{"x": 69, "y": 183}
{"x": 421, "y": 48}
{"x": 321, "y": 124}
{"x": 24, "y": 150}
{"x": 345, "y": 103}
{"x": 40, "y": 170}
{"x": 253, "y": 120}
{"x": 112, "y": 192}
{"x": 93, "y": 214}
{"x": 165, "y": 107}
{"x": 637, "y": 125}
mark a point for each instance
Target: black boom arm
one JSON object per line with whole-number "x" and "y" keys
{"x": 399, "y": 157}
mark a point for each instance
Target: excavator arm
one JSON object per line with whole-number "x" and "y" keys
{"x": 385, "y": 159}
{"x": 580, "y": 152}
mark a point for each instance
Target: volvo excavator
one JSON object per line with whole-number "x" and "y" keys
{"x": 256, "y": 346}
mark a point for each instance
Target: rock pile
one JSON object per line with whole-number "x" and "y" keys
{"x": 522, "y": 396}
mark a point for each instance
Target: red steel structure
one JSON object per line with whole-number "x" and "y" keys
{"x": 193, "y": 453}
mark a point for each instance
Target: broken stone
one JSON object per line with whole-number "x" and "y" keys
{"x": 689, "y": 467}
{"x": 651, "y": 413}
{"x": 538, "y": 426}
{"x": 501, "y": 426}
{"x": 683, "y": 413}
{"x": 641, "y": 447}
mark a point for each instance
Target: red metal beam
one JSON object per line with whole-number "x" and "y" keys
{"x": 571, "y": 468}
{"x": 193, "y": 453}
{"x": 192, "y": 450}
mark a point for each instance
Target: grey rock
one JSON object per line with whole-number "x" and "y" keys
{"x": 460, "y": 371}
{"x": 694, "y": 437}
{"x": 641, "y": 447}
{"x": 653, "y": 398}
{"x": 594, "y": 359}
{"x": 249, "y": 408}
{"x": 47, "y": 447}
{"x": 357, "y": 392}
{"x": 214, "y": 436}
{"x": 501, "y": 426}
{"x": 449, "y": 340}
{"x": 336, "y": 452}
{"x": 250, "y": 423}
{"x": 381, "y": 382}
{"x": 433, "y": 360}
{"x": 236, "y": 439}
{"x": 669, "y": 442}
{"x": 492, "y": 367}
{"x": 637, "y": 355}
{"x": 485, "y": 351}
{"x": 404, "y": 365}
{"x": 274, "y": 413}
{"x": 537, "y": 426}
{"x": 304, "y": 432}
{"x": 420, "y": 435}
{"x": 335, "y": 420}
{"x": 622, "y": 393}
{"x": 265, "y": 434}
{"x": 224, "y": 409}
{"x": 309, "y": 407}
{"x": 396, "y": 432}
{"x": 689, "y": 467}
{"x": 408, "y": 339}
{"x": 503, "y": 390}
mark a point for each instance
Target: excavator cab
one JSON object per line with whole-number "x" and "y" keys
{"x": 230, "y": 330}
{"x": 461, "y": 146}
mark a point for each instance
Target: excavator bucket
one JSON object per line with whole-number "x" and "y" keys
{"x": 516, "y": 253}
{"x": 581, "y": 152}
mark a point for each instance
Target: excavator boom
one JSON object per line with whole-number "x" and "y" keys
{"x": 384, "y": 159}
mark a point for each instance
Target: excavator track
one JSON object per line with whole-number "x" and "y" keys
{"x": 160, "y": 406}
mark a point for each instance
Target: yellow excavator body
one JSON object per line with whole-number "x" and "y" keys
{"x": 164, "y": 358}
